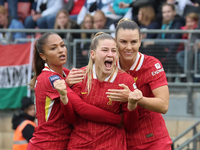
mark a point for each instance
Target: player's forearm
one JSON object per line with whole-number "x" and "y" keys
{"x": 64, "y": 99}
{"x": 130, "y": 119}
{"x": 131, "y": 106}
{"x": 91, "y": 112}
{"x": 69, "y": 112}
{"x": 154, "y": 104}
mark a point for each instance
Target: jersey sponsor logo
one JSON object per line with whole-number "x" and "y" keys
{"x": 53, "y": 78}
{"x": 134, "y": 86}
{"x": 157, "y": 72}
{"x": 135, "y": 78}
{"x": 157, "y": 65}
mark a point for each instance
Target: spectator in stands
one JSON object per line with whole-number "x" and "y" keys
{"x": 8, "y": 23}
{"x": 68, "y": 6}
{"x": 63, "y": 21}
{"x": 180, "y": 5}
{"x": 101, "y": 21}
{"x": 166, "y": 52}
{"x": 191, "y": 24}
{"x": 12, "y": 7}
{"x": 115, "y": 9}
{"x": 78, "y": 4}
{"x": 23, "y": 124}
{"x": 146, "y": 18}
{"x": 85, "y": 10}
{"x": 87, "y": 24}
{"x": 41, "y": 17}
{"x": 115, "y": 12}
{"x": 107, "y": 8}
{"x": 136, "y": 4}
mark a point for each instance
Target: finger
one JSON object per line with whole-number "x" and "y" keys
{"x": 112, "y": 91}
{"x": 111, "y": 95}
{"x": 115, "y": 90}
{"x": 116, "y": 99}
{"x": 56, "y": 82}
{"x": 137, "y": 93}
{"x": 77, "y": 79}
{"x": 124, "y": 86}
{"x": 72, "y": 77}
{"x": 73, "y": 70}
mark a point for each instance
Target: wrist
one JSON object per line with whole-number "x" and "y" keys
{"x": 131, "y": 106}
{"x": 64, "y": 99}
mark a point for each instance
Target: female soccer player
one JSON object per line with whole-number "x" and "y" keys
{"x": 53, "y": 116}
{"x": 150, "y": 131}
{"x": 102, "y": 74}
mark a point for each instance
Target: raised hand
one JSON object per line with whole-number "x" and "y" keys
{"x": 120, "y": 95}
{"x": 60, "y": 86}
{"x": 133, "y": 99}
{"x": 123, "y": 5}
{"x": 75, "y": 76}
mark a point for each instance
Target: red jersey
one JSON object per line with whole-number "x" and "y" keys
{"x": 148, "y": 74}
{"x": 53, "y": 129}
{"x": 92, "y": 135}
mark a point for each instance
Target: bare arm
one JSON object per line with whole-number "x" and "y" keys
{"x": 159, "y": 103}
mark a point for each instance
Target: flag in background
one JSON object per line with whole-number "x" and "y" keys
{"x": 15, "y": 74}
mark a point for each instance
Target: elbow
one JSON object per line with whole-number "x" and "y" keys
{"x": 165, "y": 109}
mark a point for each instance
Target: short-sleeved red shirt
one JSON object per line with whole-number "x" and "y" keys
{"x": 148, "y": 74}
{"x": 52, "y": 131}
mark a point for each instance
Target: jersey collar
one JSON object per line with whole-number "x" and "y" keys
{"x": 110, "y": 78}
{"x": 47, "y": 68}
{"x": 137, "y": 64}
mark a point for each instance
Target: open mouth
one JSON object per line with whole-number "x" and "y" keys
{"x": 108, "y": 64}
{"x": 62, "y": 56}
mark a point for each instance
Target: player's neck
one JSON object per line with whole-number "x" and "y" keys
{"x": 58, "y": 69}
{"x": 101, "y": 76}
{"x": 126, "y": 64}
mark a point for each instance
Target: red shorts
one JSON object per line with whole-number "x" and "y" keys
{"x": 160, "y": 144}
{"x": 32, "y": 147}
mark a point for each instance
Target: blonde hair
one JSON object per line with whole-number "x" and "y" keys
{"x": 148, "y": 15}
{"x": 68, "y": 24}
{"x": 83, "y": 35}
{"x": 95, "y": 42}
{"x": 3, "y": 10}
{"x": 193, "y": 16}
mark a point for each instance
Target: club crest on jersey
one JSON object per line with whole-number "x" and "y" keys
{"x": 53, "y": 78}
{"x": 109, "y": 102}
{"x": 135, "y": 78}
{"x": 157, "y": 65}
{"x": 134, "y": 86}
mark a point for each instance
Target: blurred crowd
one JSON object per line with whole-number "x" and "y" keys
{"x": 104, "y": 14}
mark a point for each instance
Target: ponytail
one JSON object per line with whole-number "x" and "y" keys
{"x": 38, "y": 62}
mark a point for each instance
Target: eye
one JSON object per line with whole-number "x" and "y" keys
{"x": 63, "y": 45}
{"x": 114, "y": 50}
{"x": 53, "y": 48}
